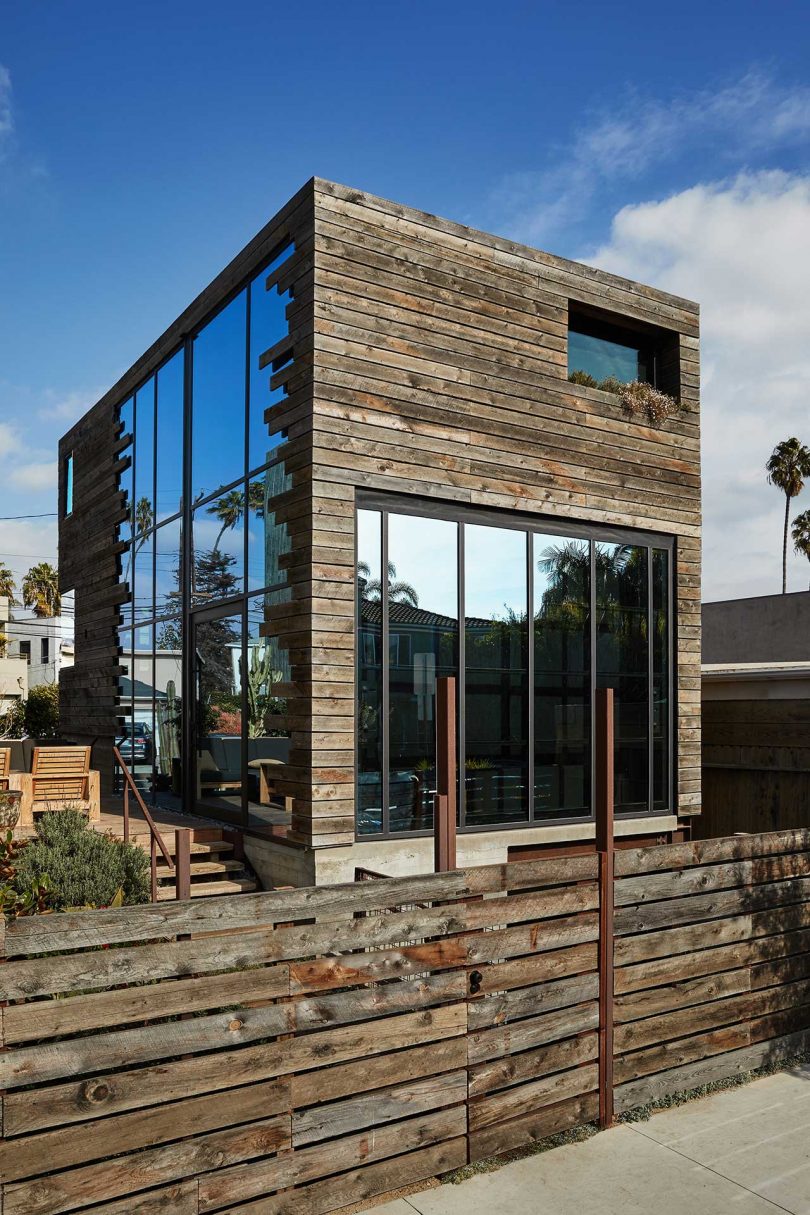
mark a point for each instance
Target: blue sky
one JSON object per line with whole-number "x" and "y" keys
{"x": 142, "y": 145}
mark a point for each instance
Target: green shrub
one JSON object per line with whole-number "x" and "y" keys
{"x": 83, "y": 867}
{"x": 42, "y": 711}
{"x": 584, "y": 378}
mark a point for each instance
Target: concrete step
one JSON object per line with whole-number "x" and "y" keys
{"x": 208, "y": 889}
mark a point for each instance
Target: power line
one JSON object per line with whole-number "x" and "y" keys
{"x": 49, "y": 514}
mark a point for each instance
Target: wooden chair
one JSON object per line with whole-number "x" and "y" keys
{"x": 5, "y": 766}
{"x": 59, "y": 777}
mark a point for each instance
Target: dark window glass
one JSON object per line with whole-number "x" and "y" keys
{"x": 496, "y": 653}
{"x": 267, "y": 738}
{"x": 268, "y": 326}
{"x": 45, "y": 650}
{"x": 219, "y": 557}
{"x": 660, "y": 656}
{"x": 422, "y": 588}
{"x": 168, "y": 685}
{"x": 218, "y": 715}
{"x": 218, "y": 400}
{"x": 603, "y": 350}
{"x": 562, "y": 665}
{"x": 169, "y": 454}
{"x": 145, "y": 456}
{"x": 369, "y": 673}
{"x": 68, "y": 504}
{"x": 622, "y": 663}
{"x": 268, "y": 540}
{"x": 25, "y": 650}
{"x": 168, "y": 540}
{"x": 144, "y": 581}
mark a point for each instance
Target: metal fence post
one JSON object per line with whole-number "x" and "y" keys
{"x": 444, "y": 805}
{"x": 604, "y": 848}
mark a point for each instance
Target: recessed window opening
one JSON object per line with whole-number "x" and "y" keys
{"x": 606, "y": 348}
{"x": 67, "y": 504}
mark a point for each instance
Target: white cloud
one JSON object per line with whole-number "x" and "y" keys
{"x": 25, "y": 542}
{"x": 742, "y": 249}
{"x": 67, "y": 407}
{"x": 748, "y": 117}
{"x": 35, "y": 477}
{"x": 9, "y": 439}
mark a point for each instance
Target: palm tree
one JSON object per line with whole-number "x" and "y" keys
{"x": 40, "y": 588}
{"x": 800, "y": 532}
{"x": 229, "y": 509}
{"x": 787, "y": 467}
{"x": 371, "y": 588}
{"x": 7, "y": 586}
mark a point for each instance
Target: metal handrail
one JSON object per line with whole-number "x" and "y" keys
{"x": 155, "y": 838}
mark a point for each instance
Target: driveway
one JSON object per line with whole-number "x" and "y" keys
{"x": 745, "y": 1151}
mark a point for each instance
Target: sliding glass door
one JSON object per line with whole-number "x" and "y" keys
{"x": 530, "y": 621}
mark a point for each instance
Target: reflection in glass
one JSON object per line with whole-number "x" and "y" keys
{"x": 144, "y": 506}
{"x": 267, "y": 739}
{"x": 169, "y": 454}
{"x": 168, "y": 539}
{"x": 168, "y": 685}
{"x": 138, "y": 749}
{"x": 562, "y": 697}
{"x": 126, "y": 416}
{"x": 144, "y": 583}
{"x": 268, "y": 540}
{"x": 125, "y": 706}
{"x": 622, "y": 664}
{"x": 218, "y": 548}
{"x": 660, "y": 663}
{"x": 218, "y": 400}
{"x": 369, "y": 673}
{"x": 496, "y": 653}
{"x": 268, "y": 325}
{"x": 218, "y": 715}
{"x": 422, "y": 589}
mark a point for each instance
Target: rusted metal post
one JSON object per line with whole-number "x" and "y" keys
{"x": 126, "y": 810}
{"x": 182, "y": 863}
{"x": 604, "y": 848}
{"x": 444, "y": 806}
{"x": 153, "y": 868}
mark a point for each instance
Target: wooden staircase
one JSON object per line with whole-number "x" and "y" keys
{"x": 214, "y": 870}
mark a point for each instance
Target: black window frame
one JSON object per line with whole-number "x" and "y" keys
{"x": 533, "y": 524}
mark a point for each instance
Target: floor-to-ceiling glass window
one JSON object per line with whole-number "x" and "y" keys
{"x": 204, "y": 564}
{"x": 547, "y": 617}
{"x": 496, "y": 664}
{"x": 562, "y": 663}
{"x": 622, "y": 663}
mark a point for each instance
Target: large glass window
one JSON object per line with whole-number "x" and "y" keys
{"x": 369, "y": 673}
{"x": 496, "y": 633}
{"x": 562, "y": 694}
{"x": 268, "y": 328}
{"x": 421, "y": 584}
{"x": 169, "y": 451}
{"x": 548, "y": 617}
{"x": 219, "y": 555}
{"x": 219, "y": 369}
{"x": 622, "y": 663}
{"x": 144, "y": 510}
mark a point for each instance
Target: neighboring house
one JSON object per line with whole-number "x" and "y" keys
{"x": 45, "y": 645}
{"x": 13, "y": 669}
{"x": 756, "y": 714}
{"x": 357, "y": 461}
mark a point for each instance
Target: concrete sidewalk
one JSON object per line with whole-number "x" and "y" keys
{"x": 742, "y": 1152}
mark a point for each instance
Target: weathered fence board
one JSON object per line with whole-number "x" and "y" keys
{"x": 303, "y": 1050}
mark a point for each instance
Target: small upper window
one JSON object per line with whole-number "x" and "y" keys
{"x": 68, "y": 500}
{"x": 25, "y": 650}
{"x": 605, "y": 350}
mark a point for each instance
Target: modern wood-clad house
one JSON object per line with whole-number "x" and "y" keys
{"x": 355, "y": 463}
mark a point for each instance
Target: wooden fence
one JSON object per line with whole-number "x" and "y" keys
{"x": 298, "y": 1051}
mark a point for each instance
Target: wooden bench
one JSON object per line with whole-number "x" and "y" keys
{"x": 60, "y": 777}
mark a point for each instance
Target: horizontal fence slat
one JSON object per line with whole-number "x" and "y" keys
{"x": 712, "y": 851}
{"x": 698, "y": 907}
{"x": 392, "y": 1104}
{"x": 533, "y": 1031}
{"x": 528, "y": 1130}
{"x": 523, "y": 1099}
{"x": 134, "y": 1088}
{"x": 710, "y": 961}
{"x": 528, "y": 1001}
{"x": 532, "y": 1064}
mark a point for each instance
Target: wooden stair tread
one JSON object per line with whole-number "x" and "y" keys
{"x": 201, "y": 889}
{"x": 205, "y": 848}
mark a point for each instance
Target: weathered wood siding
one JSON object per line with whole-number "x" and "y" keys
{"x": 294, "y": 1051}
{"x": 440, "y": 369}
{"x": 756, "y": 766}
{"x": 712, "y": 957}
